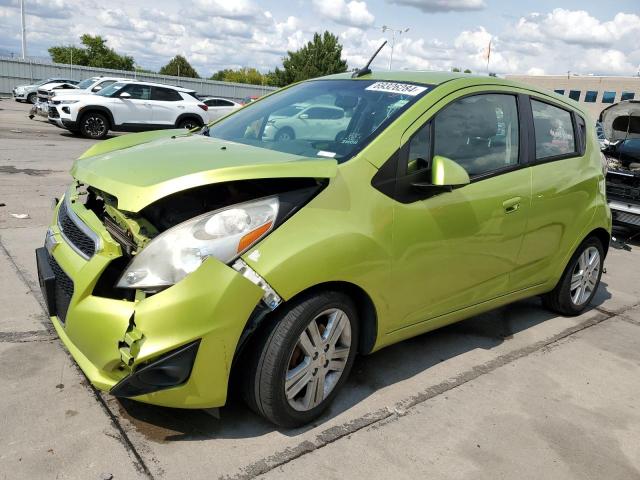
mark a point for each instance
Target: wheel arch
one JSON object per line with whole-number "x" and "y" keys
{"x": 602, "y": 235}
{"x": 367, "y": 315}
{"x": 186, "y": 116}
{"x": 96, "y": 109}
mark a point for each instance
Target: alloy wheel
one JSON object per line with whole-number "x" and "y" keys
{"x": 318, "y": 359}
{"x": 94, "y": 126}
{"x": 584, "y": 279}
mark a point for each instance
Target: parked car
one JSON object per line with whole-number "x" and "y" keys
{"x": 128, "y": 106}
{"x": 29, "y": 93}
{"x": 178, "y": 260}
{"x": 90, "y": 85}
{"x": 248, "y": 100}
{"x": 621, "y": 124}
{"x": 324, "y": 122}
{"x": 219, "y": 107}
{"x": 41, "y": 106}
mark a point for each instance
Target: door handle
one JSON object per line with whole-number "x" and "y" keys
{"x": 511, "y": 205}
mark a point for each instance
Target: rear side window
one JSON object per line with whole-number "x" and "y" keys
{"x": 479, "y": 132}
{"x": 165, "y": 95}
{"x": 553, "y": 130}
{"x": 608, "y": 97}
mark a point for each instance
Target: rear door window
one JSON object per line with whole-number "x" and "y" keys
{"x": 553, "y": 131}
{"x": 165, "y": 95}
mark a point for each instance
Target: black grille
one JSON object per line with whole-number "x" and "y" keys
{"x": 53, "y": 112}
{"x": 74, "y": 234}
{"x": 63, "y": 290}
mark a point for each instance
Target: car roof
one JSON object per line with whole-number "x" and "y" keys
{"x": 152, "y": 84}
{"x": 437, "y": 78}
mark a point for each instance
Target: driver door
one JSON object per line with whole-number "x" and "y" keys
{"x": 454, "y": 249}
{"x": 135, "y": 109}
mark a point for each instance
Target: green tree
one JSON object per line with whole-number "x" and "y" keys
{"x": 242, "y": 75}
{"x": 178, "y": 66}
{"x": 455, "y": 69}
{"x": 93, "y": 53}
{"x": 321, "y": 56}
{"x": 466, "y": 70}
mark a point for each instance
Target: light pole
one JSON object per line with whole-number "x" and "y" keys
{"x": 386, "y": 28}
{"x": 24, "y": 31}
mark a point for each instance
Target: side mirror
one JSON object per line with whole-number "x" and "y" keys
{"x": 97, "y": 89}
{"x": 303, "y": 116}
{"x": 125, "y": 95}
{"x": 445, "y": 175}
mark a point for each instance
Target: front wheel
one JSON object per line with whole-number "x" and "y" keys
{"x": 94, "y": 125}
{"x": 31, "y": 98}
{"x": 303, "y": 360}
{"x": 580, "y": 280}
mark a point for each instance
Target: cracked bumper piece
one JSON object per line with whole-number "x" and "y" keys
{"x": 174, "y": 348}
{"x": 170, "y": 370}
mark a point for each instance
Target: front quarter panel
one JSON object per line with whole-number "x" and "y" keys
{"x": 342, "y": 235}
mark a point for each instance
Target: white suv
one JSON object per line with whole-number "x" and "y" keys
{"x": 129, "y": 106}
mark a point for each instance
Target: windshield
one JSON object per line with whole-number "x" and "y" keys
{"x": 87, "y": 83}
{"x": 321, "y": 118}
{"x": 111, "y": 89}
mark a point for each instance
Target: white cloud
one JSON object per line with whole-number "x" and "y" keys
{"x": 578, "y": 27}
{"x": 350, "y": 13}
{"x": 214, "y": 34}
{"x": 226, "y": 8}
{"x": 438, "y": 6}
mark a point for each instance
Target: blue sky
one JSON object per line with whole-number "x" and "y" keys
{"x": 543, "y": 38}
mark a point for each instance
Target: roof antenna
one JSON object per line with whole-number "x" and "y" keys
{"x": 366, "y": 70}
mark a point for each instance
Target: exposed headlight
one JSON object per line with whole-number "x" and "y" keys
{"x": 223, "y": 234}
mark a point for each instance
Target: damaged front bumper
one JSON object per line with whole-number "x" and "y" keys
{"x": 174, "y": 348}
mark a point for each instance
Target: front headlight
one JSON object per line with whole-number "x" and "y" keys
{"x": 66, "y": 102}
{"x": 223, "y": 234}
{"x": 20, "y": 90}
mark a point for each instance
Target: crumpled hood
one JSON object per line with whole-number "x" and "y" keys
{"x": 140, "y": 170}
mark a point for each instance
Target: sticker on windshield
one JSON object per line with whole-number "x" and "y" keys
{"x": 392, "y": 87}
{"x": 323, "y": 153}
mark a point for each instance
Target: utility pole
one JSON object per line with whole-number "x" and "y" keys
{"x": 386, "y": 28}
{"x": 24, "y": 31}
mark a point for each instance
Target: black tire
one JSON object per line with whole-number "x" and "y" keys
{"x": 285, "y": 134}
{"x": 94, "y": 125}
{"x": 561, "y": 299}
{"x": 31, "y": 98}
{"x": 190, "y": 123}
{"x": 270, "y": 358}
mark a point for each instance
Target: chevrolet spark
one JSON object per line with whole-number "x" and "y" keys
{"x": 180, "y": 261}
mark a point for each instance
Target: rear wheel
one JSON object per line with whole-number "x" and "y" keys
{"x": 189, "y": 123}
{"x": 580, "y": 280}
{"x": 301, "y": 362}
{"x": 31, "y": 98}
{"x": 94, "y": 125}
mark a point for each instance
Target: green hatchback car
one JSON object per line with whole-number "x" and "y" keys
{"x": 179, "y": 261}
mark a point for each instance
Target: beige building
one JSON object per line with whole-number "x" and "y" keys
{"x": 595, "y": 93}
